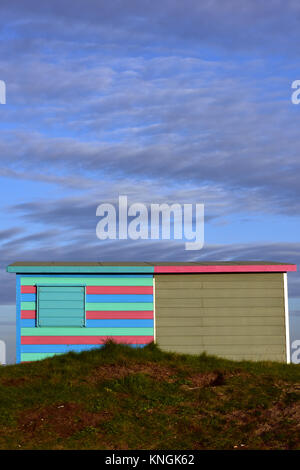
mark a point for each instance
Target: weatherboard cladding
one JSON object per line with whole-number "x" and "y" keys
{"x": 234, "y": 310}
{"x": 117, "y": 306}
{"x": 236, "y": 316}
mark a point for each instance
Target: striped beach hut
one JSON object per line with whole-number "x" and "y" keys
{"x": 236, "y": 310}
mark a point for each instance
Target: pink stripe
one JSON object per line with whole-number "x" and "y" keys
{"x": 85, "y": 339}
{"x": 27, "y": 314}
{"x": 117, "y": 315}
{"x": 119, "y": 290}
{"x": 281, "y": 268}
{"x": 28, "y": 289}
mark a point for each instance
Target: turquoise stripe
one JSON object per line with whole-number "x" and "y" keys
{"x": 28, "y": 305}
{"x": 38, "y": 356}
{"x": 88, "y": 281}
{"x": 80, "y": 269}
{"x": 74, "y": 331}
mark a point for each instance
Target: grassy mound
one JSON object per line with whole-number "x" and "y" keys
{"x": 124, "y": 398}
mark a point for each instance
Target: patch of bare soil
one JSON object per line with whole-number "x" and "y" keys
{"x": 117, "y": 371}
{"x": 63, "y": 420}
{"x": 14, "y": 381}
{"x": 273, "y": 418}
{"x": 207, "y": 379}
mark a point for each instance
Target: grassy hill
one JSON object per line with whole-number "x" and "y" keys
{"x": 123, "y": 398}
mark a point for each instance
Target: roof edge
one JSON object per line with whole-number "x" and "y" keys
{"x": 152, "y": 269}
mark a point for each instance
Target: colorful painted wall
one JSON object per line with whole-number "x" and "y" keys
{"x": 117, "y": 306}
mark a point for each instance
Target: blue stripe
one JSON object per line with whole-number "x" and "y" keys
{"x": 28, "y": 323}
{"x": 106, "y": 323}
{"x": 63, "y": 348}
{"x": 120, "y": 323}
{"x": 102, "y": 298}
{"x": 18, "y": 319}
{"x": 28, "y": 297}
{"x": 119, "y": 298}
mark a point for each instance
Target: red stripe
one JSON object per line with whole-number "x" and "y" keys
{"x": 28, "y": 289}
{"x": 119, "y": 290}
{"x": 280, "y": 268}
{"x": 27, "y": 314}
{"x": 118, "y": 315}
{"x": 85, "y": 339}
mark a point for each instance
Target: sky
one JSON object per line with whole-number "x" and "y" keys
{"x": 165, "y": 102}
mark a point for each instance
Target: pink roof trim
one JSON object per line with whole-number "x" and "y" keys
{"x": 252, "y": 268}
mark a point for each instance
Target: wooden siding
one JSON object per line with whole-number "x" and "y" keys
{"x": 117, "y": 306}
{"x": 236, "y": 316}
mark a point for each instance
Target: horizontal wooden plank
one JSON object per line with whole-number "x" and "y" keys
{"x": 248, "y": 330}
{"x": 57, "y": 304}
{"x": 28, "y": 289}
{"x": 28, "y": 323}
{"x": 28, "y": 314}
{"x": 221, "y": 321}
{"x": 97, "y": 339}
{"x": 119, "y": 298}
{"x": 98, "y": 306}
{"x": 240, "y": 349}
{"x": 62, "y": 312}
{"x": 217, "y": 293}
{"x": 175, "y": 312}
{"x": 265, "y": 356}
{"x": 120, "y": 323}
{"x": 28, "y": 305}
{"x": 176, "y": 285}
{"x": 103, "y": 323}
{"x": 64, "y": 348}
{"x": 133, "y": 290}
{"x": 213, "y": 302}
{"x": 86, "y": 331}
{"x": 130, "y": 314}
{"x": 61, "y": 296}
{"x": 28, "y": 357}
{"x": 182, "y": 340}
{"x": 69, "y": 296}
{"x": 67, "y": 322}
{"x": 88, "y": 281}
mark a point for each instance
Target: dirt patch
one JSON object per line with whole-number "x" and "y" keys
{"x": 117, "y": 371}
{"x": 208, "y": 379}
{"x": 274, "y": 417}
{"x": 62, "y": 420}
{"x": 14, "y": 381}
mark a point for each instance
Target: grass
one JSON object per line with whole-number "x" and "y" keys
{"x": 124, "y": 398}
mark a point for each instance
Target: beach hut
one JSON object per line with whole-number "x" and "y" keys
{"x": 235, "y": 310}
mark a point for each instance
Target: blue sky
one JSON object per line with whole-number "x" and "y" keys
{"x": 162, "y": 101}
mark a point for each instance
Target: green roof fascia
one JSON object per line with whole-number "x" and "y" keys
{"x": 80, "y": 269}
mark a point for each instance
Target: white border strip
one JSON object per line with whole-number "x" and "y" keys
{"x": 287, "y": 322}
{"x": 154, "y": 315}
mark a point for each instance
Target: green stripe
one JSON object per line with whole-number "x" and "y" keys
{"x": 59, "y": 331}
{"x": 27, "y": 305}
{"x": 118, "y": 306}
{"x": 88, "y": 281}
{"x": 37, "y": 356}
{"x": 80, "y": 269}
{"x": 102, "y": 306}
